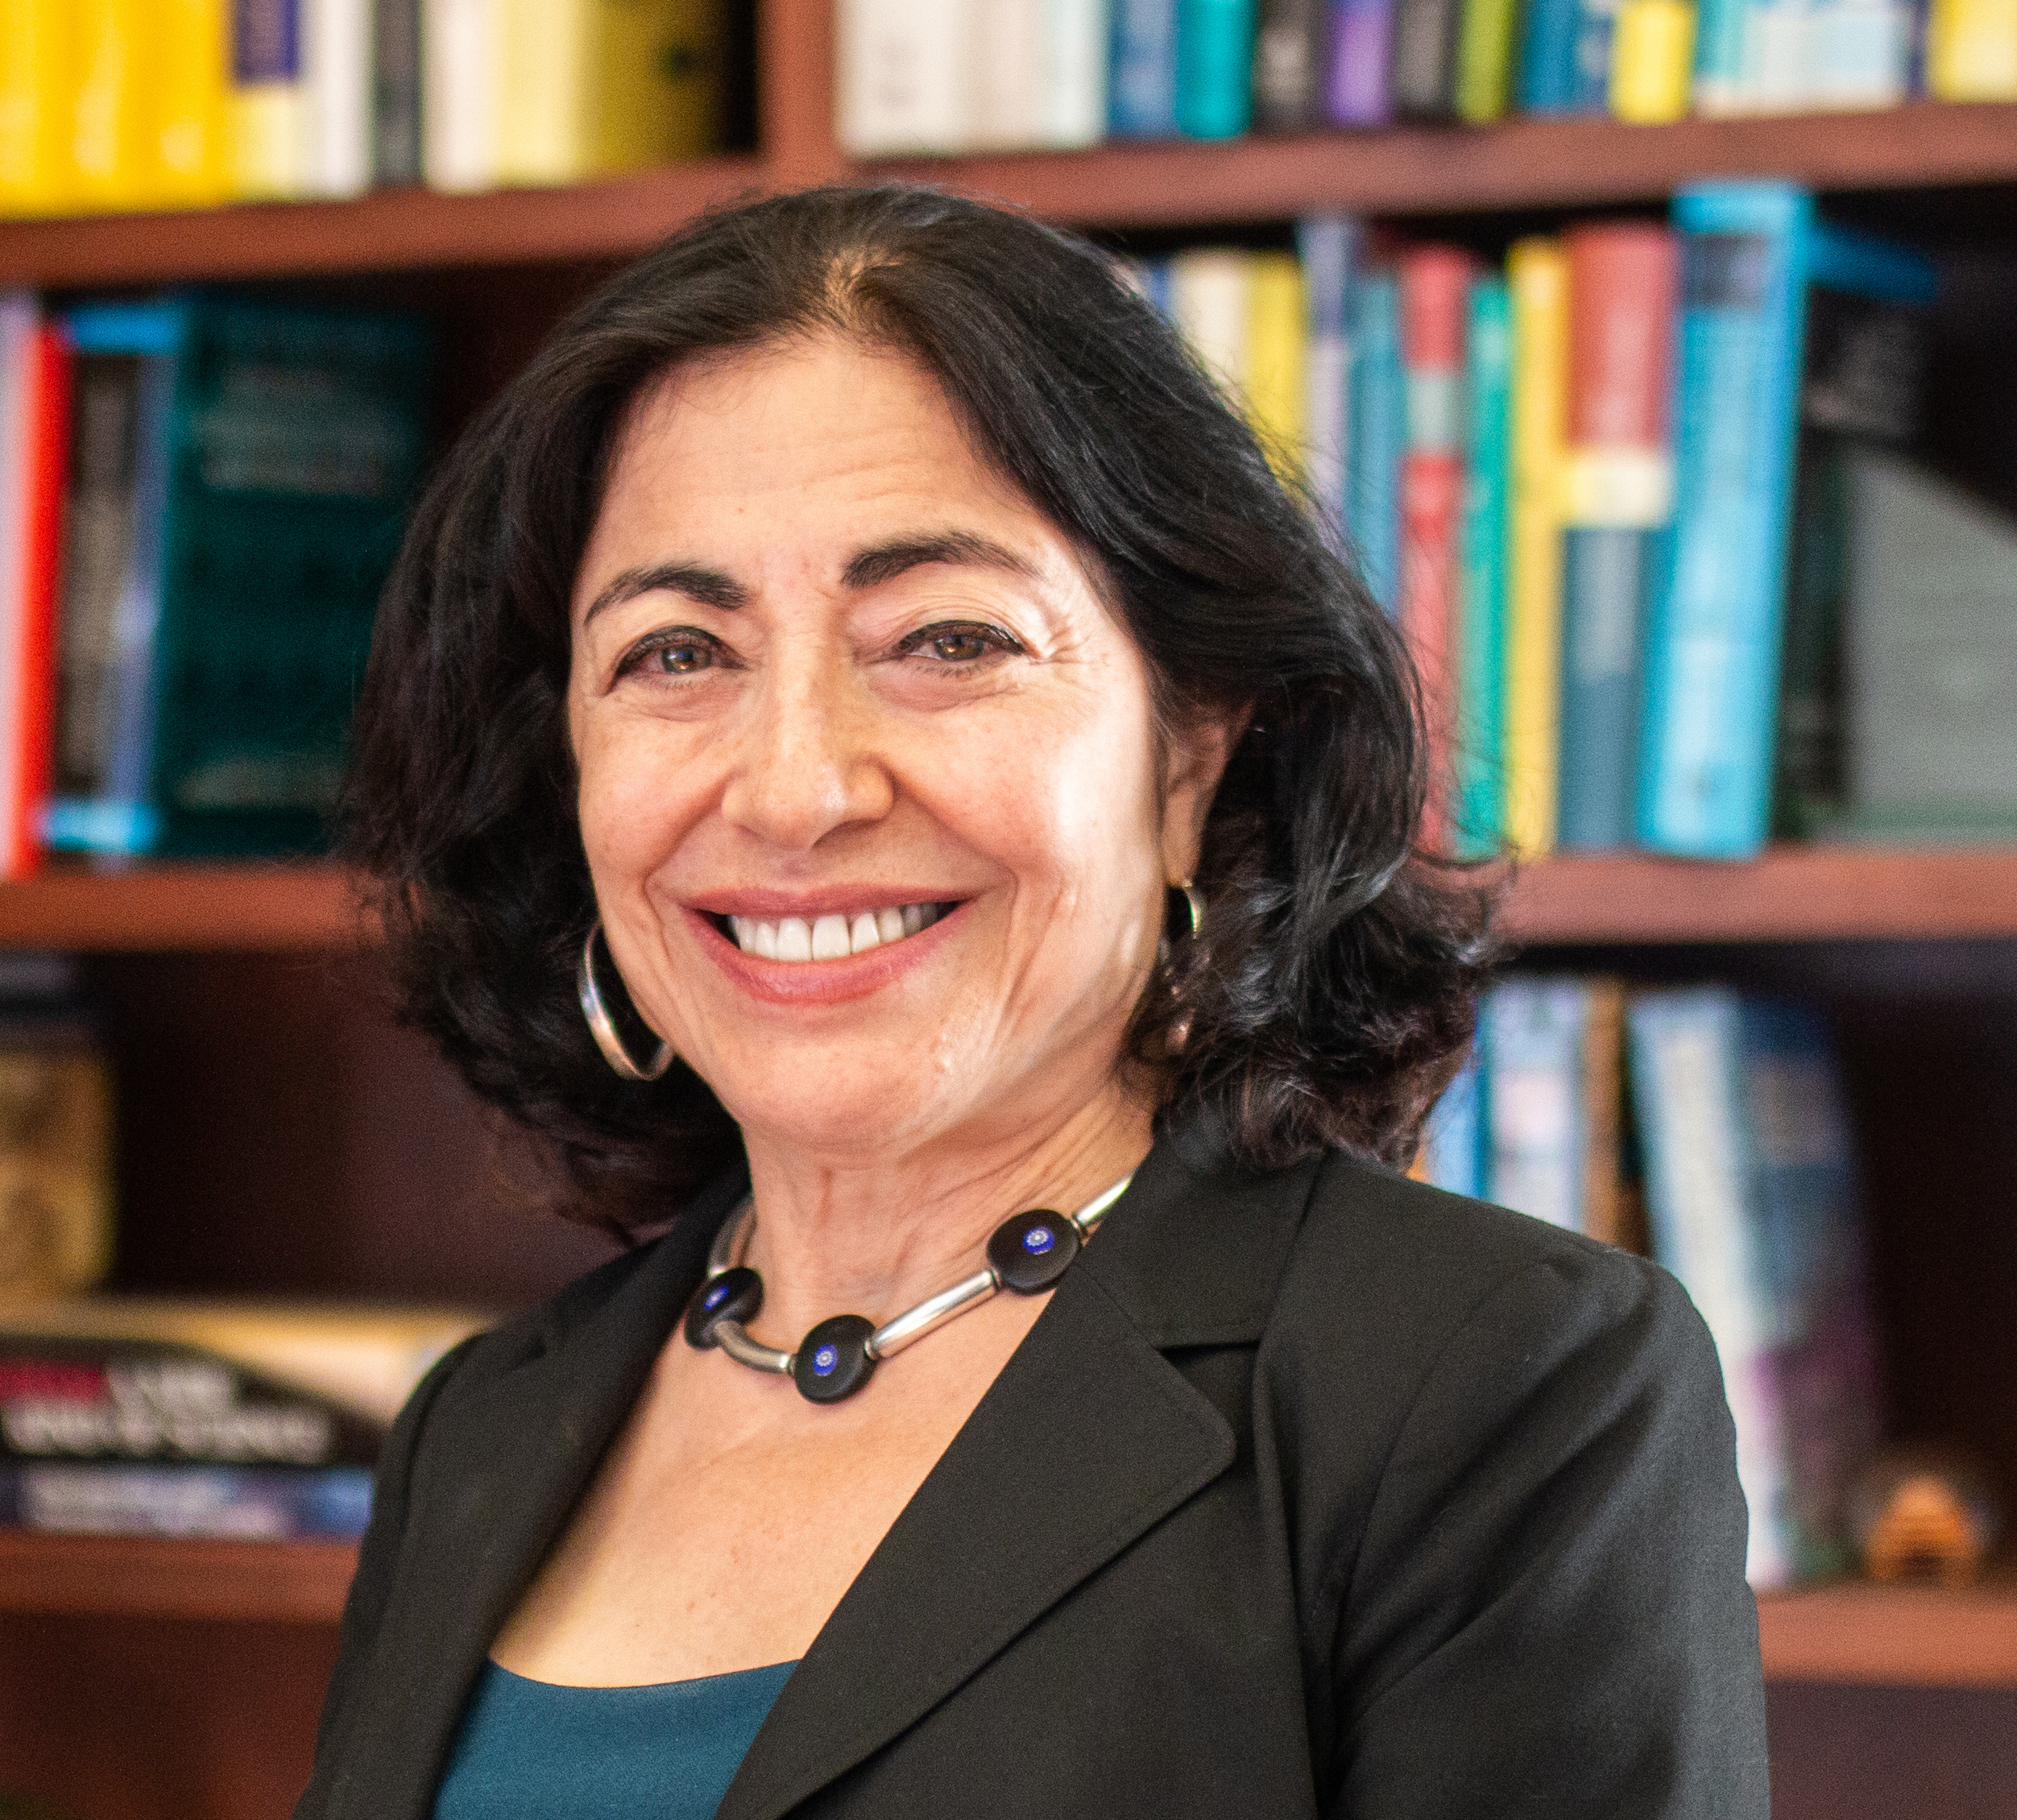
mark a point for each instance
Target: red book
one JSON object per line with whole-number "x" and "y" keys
{"x": 1623, "y": 284}
{"x": 1435, "y": 288}
{"x": 38, "y": 439}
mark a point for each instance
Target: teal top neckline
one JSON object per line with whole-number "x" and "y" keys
{"x": 536, "y": 1750}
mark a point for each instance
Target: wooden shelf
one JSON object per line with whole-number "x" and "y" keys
{"x": 1401, "y": 169}
{"x": 150, "y": 1577}
{"x": 1791, "y": 893}
{"x": 1893, "y": 1636}
{"x": 265, "y": 907}
{"x": 1520, "y": 163}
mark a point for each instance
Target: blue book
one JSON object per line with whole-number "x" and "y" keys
{"x": 1214, "y": 68}
{"x": 1712, "y": 645}
{"x": 107, "y": 1498}
{"x": 1534, "y": 1032}
{"x": 1142, "y": 71}
{"x": 1719, "y": 55}
{"x": 1453, "y": 1139}
{"x": 1330, "y": 247}
{"x": 1481, "y": 657}
{"x": 1549, "y": 79}
{"x": 1608, "y": 572}
{"x": 1379, "y": 435}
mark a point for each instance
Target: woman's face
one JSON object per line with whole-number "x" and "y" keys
{"x": 870, "y": 790}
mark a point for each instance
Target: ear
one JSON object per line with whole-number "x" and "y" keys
{"x": 1196, "y": 760}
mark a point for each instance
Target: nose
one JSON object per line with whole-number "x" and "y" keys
{"x": 808, "y": 762}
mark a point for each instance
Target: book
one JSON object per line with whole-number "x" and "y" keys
{"x": 1214, "y": 68}
{"x": 1273, "y": 381}
{"x": 187, "y": 153}
{"x": 1971, "y": 51}
{"x": 903, "y": 75}
{"x": 1142, "y": 90}
{"x": 1434, "y": 289}
{"x": 37, "y": 95}
{"x": 1652, "y": 61}
{"x": 1379, "y": 436}
{"x": 1536, "y": 278}
{"x": 1551, "y": 76}
{"x": 1720, "y": 83}
{"x": 395, "y": 93}
{"x": 462, "y": 86}
{"x": 35, "y": 434}
{"x": 1478, "y": 814}
{"x": 590, "y": 88}
{"x": 1291, "y": 47}
{"x": 338, "y": 73}
{"x": 1422, "y": 77}
{"x": 245, "y": 1503}
{"x": 268, "y": 108}
{"x": 1860, "y": 53}
{"x": 1071, "y": 96}
{"x": 1486, "y": 42}
{"x": 1330, "y": 247}
{"x": 56, "y": 1153}
{"x": 1361, "y": 54}
{"x": 294, "y": 441}
{"x": 1453, "y": 1138}
{"x": 110, "y": 165}
{"x": 1211, "y": 303}
{"x": 1618, "y": 498}
{"x": 1532, "y": 1037}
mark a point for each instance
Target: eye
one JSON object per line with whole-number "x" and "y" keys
{"x": 960, "y": 644}
{"x": 676, "y": 652}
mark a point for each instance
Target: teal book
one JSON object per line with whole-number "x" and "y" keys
{"x": 1479, "y": 820}
{"x": 1214, "y": 68}
{"x": 1141, "y": 70}
{"x": 293, "y": 446}
{"x": 1533, "y": 1033}
{"x": 1331, "y": 247}
{"x": 1453, "y": 1139}
{"x": 1715, "y": 623}
{"x": 1379, "y": 435}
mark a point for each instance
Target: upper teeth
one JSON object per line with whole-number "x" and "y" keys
{"x": 830, "y": 938}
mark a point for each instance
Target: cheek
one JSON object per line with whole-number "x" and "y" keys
{"x": 637, "y": 793}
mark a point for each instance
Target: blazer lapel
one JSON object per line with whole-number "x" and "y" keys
{"x": 515, "y": 1456}
{"x": 1034, "y": 1495}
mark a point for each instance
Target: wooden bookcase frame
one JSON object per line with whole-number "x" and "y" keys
{"x": 197, "y": 1603}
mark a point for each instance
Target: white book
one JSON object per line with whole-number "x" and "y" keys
{"x": 19, "y": 317}
{"x": 1071, "y": 100}
{"x": 1862, "y": 54}
{"x": 337, "y": 68}
{"x": 1009, "y": 55}
{"x": 905, "y": 73}
{"x": 461, "y": 76}
{"x": 1209, "y": 297}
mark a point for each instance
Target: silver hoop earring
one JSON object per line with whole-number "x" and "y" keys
{"x": 1192, "y": 918}
{"x": 602, "y": 1028}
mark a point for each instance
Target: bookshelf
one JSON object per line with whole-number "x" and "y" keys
{"x": 284, "y": 1137}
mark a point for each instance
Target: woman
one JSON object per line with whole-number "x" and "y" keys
{"x": 864, "y": 670}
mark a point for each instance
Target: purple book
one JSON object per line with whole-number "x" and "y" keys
{"x": 1361, "y": 49}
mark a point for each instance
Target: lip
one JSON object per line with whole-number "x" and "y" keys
{"x": 815, "y": 983}
{"x": 833, "y": 900}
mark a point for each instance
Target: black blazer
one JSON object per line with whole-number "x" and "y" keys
{"x": 1317, "y": 1492}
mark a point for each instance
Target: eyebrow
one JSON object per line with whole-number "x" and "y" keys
{"x": 866, "y": 569}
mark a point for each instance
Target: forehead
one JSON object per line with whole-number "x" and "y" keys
{"x": 808, "y": 436}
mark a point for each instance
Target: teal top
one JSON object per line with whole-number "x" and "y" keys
{"x": 530, "y": 1750}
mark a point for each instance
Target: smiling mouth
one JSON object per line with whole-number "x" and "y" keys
{"x": 796, "y": 939}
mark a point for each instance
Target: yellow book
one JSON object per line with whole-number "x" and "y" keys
{"x": 37, "y": 92}
{"x": 188, "y": 159}
{"x": 590, "y": 88}
{"x": 55, "y": 1171}
{"x": 266, "y": 114}
{"x": 1971, "y": 51}
{"x": 1652, "y": 61}
{"x": 1277, "y": 318}
{"x": 1538, "y": 274}
{"x": 109, "y": 121}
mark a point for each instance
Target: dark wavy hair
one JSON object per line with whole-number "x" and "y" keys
{"x": 1333, "y": 986}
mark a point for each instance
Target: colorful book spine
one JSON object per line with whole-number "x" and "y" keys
{"x": 1141, "y": 102}
{"x": 1610, "y": 1215}
{"x": 1652, "y": 61}
{"x": 1549, "y": 82}
{"x": 36, "y": 467}
{"x": 1537, "y": 275}
{"x": 1072, "y": 97}
{"x": 102, "y": 1500}
{"x": 463, "y": 80}
{"x": 395, "y": 91}
{"x": 1361, "y": 56}
{"x": 1687, "y": 1052}
{"x": 1290, "y": 45}
{"x": 1453, "y": 1139}
{"x": 1971, "y": 51}
{"x": 1596, "y": 30}
{"x": 1861, "y": 54}
{"x": 1720, "y": 86}
{"x": 1211, "y": 305}
{"x": 1215, "y": 67}
{"x": 107, "y": 143}
{"x": 188, "y": 127}
{"x": 905, "y": 75}
{"x": 337, "y": 75}
{"x": 1330, "y": 247}
{"x": 1712, "y": 644}
{"x": 1618, "y": 498}
{"x": 1486, "y": 43}
{"x": 1008, "y": 60}
{"x": 1434, "y": 288}
{"x": 38, "y": 82}
{"x": 1533, "y": 1041}
{"x": 1379, "y": 436}
{"x": 268, "y": 114}
{"x": 1423, "y": 77}
{"x": 1274, "y": 380}
{"x": 1479, "y": 757}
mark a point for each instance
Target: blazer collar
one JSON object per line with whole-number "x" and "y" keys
{"x": 1030, "y": 1499}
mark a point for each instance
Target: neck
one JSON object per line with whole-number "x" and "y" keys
{"x": 874, "y": 1237}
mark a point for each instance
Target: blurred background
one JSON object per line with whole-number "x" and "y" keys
{"x": 1653, "y": 359}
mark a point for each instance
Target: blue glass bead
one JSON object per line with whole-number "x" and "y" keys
{"x": 1030, "y": 1252}
{"x": 736, "y": 1295}
{"x": 833, "y": 1360}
